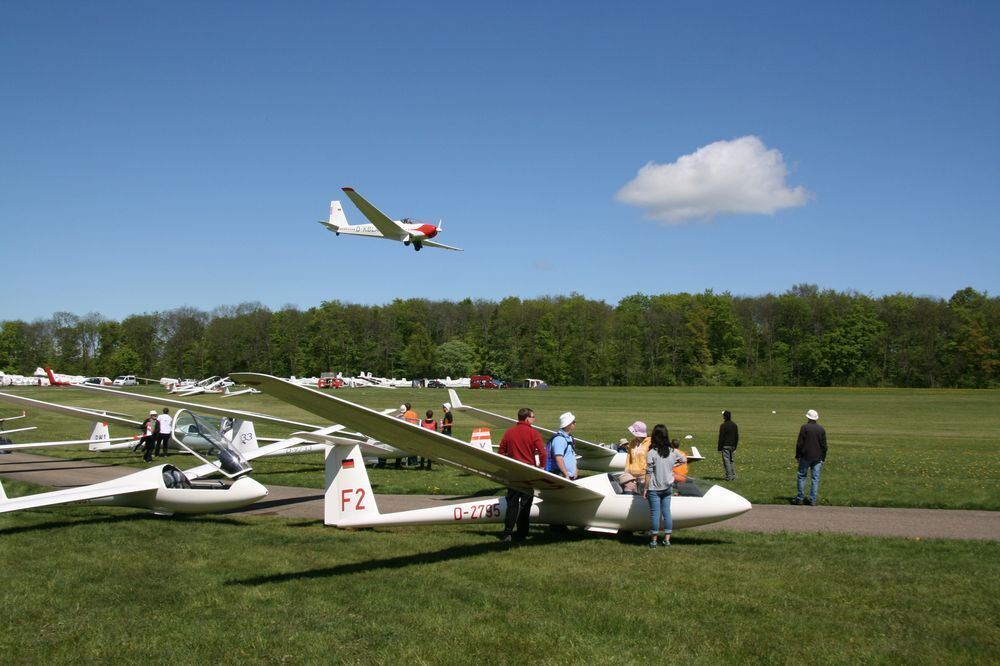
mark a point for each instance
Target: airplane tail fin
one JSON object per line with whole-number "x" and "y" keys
{"x": 99, "y": 431}
{"x": 3, "y": 494}
{"x": 455, "y": 402}
{"x": 52, "y": 377}
{"x": 337, "y": 217}
{"x": 481, "y": 439}
{"x": 348, "y": 491}
{"x": 244, "y": 436}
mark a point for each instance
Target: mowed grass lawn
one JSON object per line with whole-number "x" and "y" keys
{"x": 99, "y": 585}
{"x": 102, "y": 585}
{"x": 888, "y": 447}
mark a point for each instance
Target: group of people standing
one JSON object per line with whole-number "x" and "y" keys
{"x": 654, "y": 466}
{"x": 155, "y": 438}
{"x": 810, "y": 454}
{"x": 443, "y": 426}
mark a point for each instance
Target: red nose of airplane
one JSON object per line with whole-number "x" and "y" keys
{"x": 428, "y": 230}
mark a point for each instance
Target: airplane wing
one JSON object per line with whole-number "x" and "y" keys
{"x": 38, "y": 445}
{"x": 583, "y": 447}
{"x": 97, "y": 491}
{"x": 78, "y": 412}
{"x": 421, "y": 441}
{"x": 205, "y": 409}
{"x": 386, "y": 226}
{"x": 430, "y": 243}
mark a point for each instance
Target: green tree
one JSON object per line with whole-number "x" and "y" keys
{"x": 418, "y": 355}
{"x": 456, "y": 358}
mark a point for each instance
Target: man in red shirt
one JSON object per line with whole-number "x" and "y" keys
{"x": 522, "y": 443}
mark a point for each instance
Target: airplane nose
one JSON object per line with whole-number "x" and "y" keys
{"x": 729, "y": 503}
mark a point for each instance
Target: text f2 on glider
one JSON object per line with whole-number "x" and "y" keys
{"x": 408, "y": 231}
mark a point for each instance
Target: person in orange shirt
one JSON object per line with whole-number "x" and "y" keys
{"x": 431, "y": 424}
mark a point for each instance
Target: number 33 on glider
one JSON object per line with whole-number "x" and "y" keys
{"x": 408, "y": 231}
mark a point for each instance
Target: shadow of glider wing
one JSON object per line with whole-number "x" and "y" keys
{"x": 421, "y": 441}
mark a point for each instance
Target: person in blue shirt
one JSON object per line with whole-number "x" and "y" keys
{"x": 563, "y": 451}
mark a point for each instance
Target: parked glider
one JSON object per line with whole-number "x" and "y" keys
{"x": 163, "y": 489}
{"x": 592, "y": 502}
{"x": 408, "y": 231}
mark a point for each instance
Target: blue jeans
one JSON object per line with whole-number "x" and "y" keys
{"x": 659, "y": 507}
{"x": 804, "y": 466}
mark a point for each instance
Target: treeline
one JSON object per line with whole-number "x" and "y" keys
{"x": 805, "y": 336}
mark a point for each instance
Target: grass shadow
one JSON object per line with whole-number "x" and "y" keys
{"x": 403, "y": 561}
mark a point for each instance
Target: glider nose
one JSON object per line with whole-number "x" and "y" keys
{"x": 728, "y": 504}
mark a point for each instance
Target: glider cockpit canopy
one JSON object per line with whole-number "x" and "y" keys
{"x": 190, "y": 428}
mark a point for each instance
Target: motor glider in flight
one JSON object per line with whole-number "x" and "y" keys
{"x": 595, "y": 503}
{"x": 408, "y": 231}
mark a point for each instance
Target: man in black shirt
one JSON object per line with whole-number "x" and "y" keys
{"x": 810, "y": 454}
{"x": 729, "y": 437}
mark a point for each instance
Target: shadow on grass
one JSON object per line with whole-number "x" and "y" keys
{"x": 386, "y": 564}
{"x": 536, "y": 540}
{"x": 138, "y": 516}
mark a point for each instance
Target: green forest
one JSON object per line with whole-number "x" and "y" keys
{"x": 803, "y": 337}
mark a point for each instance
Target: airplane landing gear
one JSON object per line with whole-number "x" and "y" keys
{"x": 417, "y": 245}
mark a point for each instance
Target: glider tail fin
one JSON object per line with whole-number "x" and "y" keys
{"x": 3, "y": 494}
{"x": 349, "y": 493}
{"x": 244, "y": 436}
{"x": 455, "y": 402}
{"x": 98, "y": 434}
{"x": 337, "y": 217}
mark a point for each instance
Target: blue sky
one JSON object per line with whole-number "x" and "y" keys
{"x": 158, "y": 155}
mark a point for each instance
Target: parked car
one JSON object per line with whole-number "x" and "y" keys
{"x": 435, "y": 384}
{"x": 98, "y": 381}
{"x": 125, "y": 380}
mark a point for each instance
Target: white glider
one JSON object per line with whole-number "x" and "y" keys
{"x": 408, "y": 231}
{"x": 592, "y": 502}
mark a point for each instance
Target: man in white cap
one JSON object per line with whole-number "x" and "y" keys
{"x": 635, "y": 458}
{"x": 563, "y": 453}
{"x": 446, "y": 419}
{"x": 148, "y": 436}
{"x": 810, "y": 453}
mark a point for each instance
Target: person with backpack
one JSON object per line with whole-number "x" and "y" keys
{"x": 522, "y": 443}
{"x": 559, "y": 451}
{"x": 635, "y": 453}
{"x": 660, "y": 463}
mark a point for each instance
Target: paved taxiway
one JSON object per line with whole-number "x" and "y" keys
{"x": 291, "y": 502}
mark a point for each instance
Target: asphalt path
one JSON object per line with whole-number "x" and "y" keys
{"x": 292, "y": 502}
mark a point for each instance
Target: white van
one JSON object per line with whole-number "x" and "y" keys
{"x": 125, "y": 380}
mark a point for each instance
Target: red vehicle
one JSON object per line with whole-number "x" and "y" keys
{"x": 481, "y": 382}
{"x": 329, "y": 382}
{"x": 486, "y": 382}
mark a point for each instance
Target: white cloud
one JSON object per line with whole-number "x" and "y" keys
{"x": 738, "y": 176}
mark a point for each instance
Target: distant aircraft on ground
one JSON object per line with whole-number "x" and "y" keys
{"x": 594, "y": 502}
{"x": 408, "y": 231}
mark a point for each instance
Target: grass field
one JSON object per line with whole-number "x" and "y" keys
{"x": 98, "y": 585}
{"x": 888, "y": 447}
{"x": 104, "y": 585}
